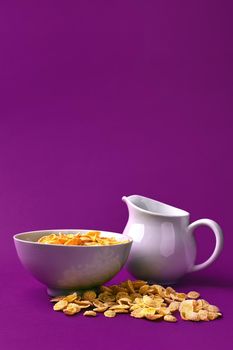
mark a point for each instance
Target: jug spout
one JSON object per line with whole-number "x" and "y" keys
{"x": 132, "y": 205}
{"x": 136, "y": 204}
{"x": 125, "y": 199}
{"x": 128, "y": 201}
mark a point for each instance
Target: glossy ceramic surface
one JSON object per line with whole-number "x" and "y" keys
{"x": 65, "y": 268}
{"x": 164, "y": 247}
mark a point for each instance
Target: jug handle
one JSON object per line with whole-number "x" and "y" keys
{"x": 218, "y": 245}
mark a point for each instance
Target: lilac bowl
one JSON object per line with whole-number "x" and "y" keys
{"x": 67, "y": 268}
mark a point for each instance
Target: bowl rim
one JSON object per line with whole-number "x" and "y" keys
{"x": 17, "y": 239}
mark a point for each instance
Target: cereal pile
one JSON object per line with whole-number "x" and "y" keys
{"x": 140, "y": 300}
{"x": 91, "y": 238}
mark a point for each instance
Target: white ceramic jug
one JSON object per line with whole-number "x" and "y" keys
{"x": 164, "y": 247}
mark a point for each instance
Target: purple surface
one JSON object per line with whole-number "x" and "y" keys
{"x": 100, "y": 99}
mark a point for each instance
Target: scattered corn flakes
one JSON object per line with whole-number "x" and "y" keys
{"x": 194, "y": 310}
{"x": 140, "y": 300}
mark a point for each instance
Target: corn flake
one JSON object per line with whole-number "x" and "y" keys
{"x": 89, "y": 313}
{"x": 193, "y": 295}
{"x": 109, "y": 313}
{"x": 89, "y": 295}
{"x": 170, "y": 318}
{"x": 60, "y": 305}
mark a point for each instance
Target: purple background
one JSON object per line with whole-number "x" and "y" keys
{"x": 100, "y": 99}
